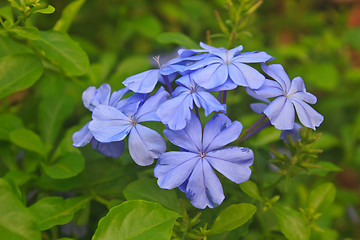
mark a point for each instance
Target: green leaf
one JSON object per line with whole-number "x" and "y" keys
{"x": 28, "y": 140}
{"x": 48, "y": 10}
{"x": 18, "y": 72}
{"x": 292, "y": 223}
{"x": 8, "y": 123}
{"x": 232, "y": 217}
{"x": 68, "y": 15}
{"x": 353, "y": 35}
{"x": 325, "y": 168}
{"x": 18, "y": 177}
{"x": 16, "y": 223}
{"x": 324, "y": 76}
{"x": 136, "y": 220}
{"x": 322, "y": 196}
{"x": 147, "y": 189}
{"x": 64, "y": 51}
{"x": 65, "y": 166}
{"x": 9, "y": 47}
{"x": 6, "y": 12}
{"x": 53, "y": 112}
{"x": 31, "y": 33}
{"x": 51, "y": 211}
{"x": 251, "y": 189}
{"x": 177, "y": 38}
{"x": 148, "y": 26}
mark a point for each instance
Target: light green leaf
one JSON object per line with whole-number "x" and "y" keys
{"x": 64, "y": 51}
{"x": 6, "y": 12}
{"x": 18, "y": 72}
{"x": 68, "y": 15}
{"x": 31, "y": 33}
{"x": 53, "y": 112}
{"x": 8, "y": 123}
{"x": 251, "y": 189}
{"x": 16, "y": 223}
{"x": 324, "y": 168}
{"x": 9, "y": 47}
{"x": 136, "y": 220}
{"x": 18, "y": 177}
{"x": 148, "y": 26}
{"x": 322, "y": 196}
{"x": 353, "y": 35}
{"x": 232, "y": 217}
{"x": 51, "y": 211}
{"x": 292, "y": 224}
{"x": 177, "y": 38}
{"x": 324, "y": 76}
{"x": 147, "y": 189}
{"x": 28, "y": 140}
{"x": 65, "y": 166}
{"x": 48, "y": 10}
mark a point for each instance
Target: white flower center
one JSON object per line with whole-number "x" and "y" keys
{"x": 202, "y": 154}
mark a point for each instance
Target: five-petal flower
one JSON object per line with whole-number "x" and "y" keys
{"x": 192, "y": 170}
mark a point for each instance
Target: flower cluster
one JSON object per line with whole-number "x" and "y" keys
{"x": 197, "y": 74}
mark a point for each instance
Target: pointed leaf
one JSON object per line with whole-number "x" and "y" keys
{"x": 15, "y": 220}
{"x": 68, "y": 15}
{"x": 18, "y": 72}
{"x": 28, "y": 140}
{"x": 232, "y": 217}
{"x": 48, "y": 10}
{"x": 8, "y": 123}
{"x": 136, "y": 220}
{"x": 251, "y": 190}
{"x": 31, "y": 33}
{"x": 51, "y": 211}
{"x": 177, "y": 38}
{"x": 147, "y": 189}
{"x": 292, "y": 224}
{"x": 322, "y": 196}
{"x": 9, "y": 46}
{"x": 61, "y": 49}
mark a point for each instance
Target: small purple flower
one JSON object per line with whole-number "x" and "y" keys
{"x": 294, "y": 133}
{"x": 176, "y": 112}
{"x": 280, "y": 111}
{"x": 112, "y": 124}
{"x": 93, "y": 97}
{"x": 192, "y": 170}
{"x": 222, "y": 65}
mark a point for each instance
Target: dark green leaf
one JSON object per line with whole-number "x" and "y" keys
{"x": 64, "y": 51}
{"x": 18, "y": 72}
{"x": 136, "y": 220}
{"x": 16, "y": 223}
{"x": 52, "y": 113}
{"x": 51, "y": 211}
{"x": 251, "y": 189}
{"x": 28, "y": 140}
{"x": 147, "y": 189}
{"x": 292, "y": 224}
{"x": 232, "y": 217}
{"x": 65, "y": 166}
{"x": 8, "y": 123}
{"x": 177, "y": 38}
{"x": 68, "y": 15}
{"x": 322, "y": 196}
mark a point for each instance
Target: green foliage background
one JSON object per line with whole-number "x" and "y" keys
{"x": 59, "y": 191}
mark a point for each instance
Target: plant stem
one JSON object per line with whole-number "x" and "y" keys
{"x": 267, "y": 123}
{"x": 224, "y": 97}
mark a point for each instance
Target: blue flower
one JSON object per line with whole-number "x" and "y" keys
{"x": 294, "y": 133}
{"x": 280, "y": 111}
{"x": 93, "y": 97}
{"x": 145, "y": 82}
{"x": 112, "y": 124}
{"x": 192, "y": 170}
{"x": 176, "y": 112}
{"x": 222, "y": 65}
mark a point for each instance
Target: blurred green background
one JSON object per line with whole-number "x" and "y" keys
{"x": 317, "y": 40}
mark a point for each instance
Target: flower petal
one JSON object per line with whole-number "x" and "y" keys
{"x": 234, "y": 52}
{"x": 258, "y": 107}
{"x": 175, "y": 112}
{"x": 109, "y": 124}
{"x": 253, "y": 78}
{"x": 130, "y": 105}
{"x": 143, "y": 82}
{"x": 92, "y": 97}
{"x": 253, "y": 57}
{"x": 307, "y": 115}
{"x": 111, "y": 149}
{"x": 145, "y": 145}
{"x": 294, "y": 133}
{"x": 232, "y": 162}
{"x": 188, "y": 138}
{"x": 277, "y": 72}
{"x": 82, "y": 137}
{"x": 211, "y": 76}
{"x": 209, "y": 102}
{"x": 204, "y": 188}
{"x": 219, "y": 131}
{"x": 228, "y": 85}
{"x": 281, "y": 113}
{"x": 173, "y": 168}
{"x": 147, "y": 111}
{"x": 253, "y": 94}
{"x": 269, "y": 89}
{"x": 117, "y": 95}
